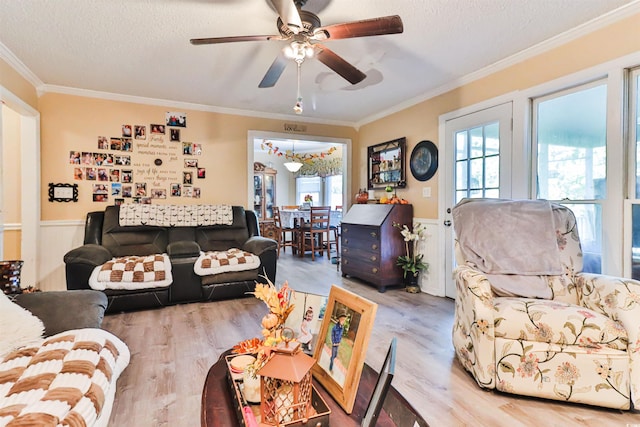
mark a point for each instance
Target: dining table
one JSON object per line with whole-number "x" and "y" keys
{"x": 292, "y": 218}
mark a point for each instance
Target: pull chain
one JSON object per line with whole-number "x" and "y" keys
{"x": 298, "y": 107}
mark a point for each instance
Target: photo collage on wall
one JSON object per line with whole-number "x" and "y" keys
{"x": 112, "y": 170}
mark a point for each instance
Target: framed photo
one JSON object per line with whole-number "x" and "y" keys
{"x": 176, "y": 119}
{"x": 140, "y": 132}
{"x": 63, "y": 192}
{"x": 382, "y": 387}
{"x": 342, "y": 344}
{"x": 157, "y": 129}
{"x": 175, "y": 135}
{"x": 306, "y": 318}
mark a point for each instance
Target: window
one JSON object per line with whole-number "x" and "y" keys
{"x": 478, "y": 162}
{"x": 309, "y": 186}
{"x": 634, "y": 137}
{"x": 570, "y": 142}
{"x": 334, "y": 191}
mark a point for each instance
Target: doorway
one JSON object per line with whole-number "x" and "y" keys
{"x": 299, "y": 144}
{"x": 26, "y": 124}
{"x": 477, "y": 157}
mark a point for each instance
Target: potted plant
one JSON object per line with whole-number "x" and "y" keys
{"x": 412, "y": 263}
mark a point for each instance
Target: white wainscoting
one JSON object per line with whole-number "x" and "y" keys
{"x": 56, "y": 239}
{"x": 431, "y": 282}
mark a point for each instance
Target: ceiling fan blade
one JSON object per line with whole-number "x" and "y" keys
{"x": 288, "y": 14}
{"x": 216, "y": 40}
{"x": 339, "y": 65}
{"x": 367, "y": 27}
{"x": 275, "y": 71}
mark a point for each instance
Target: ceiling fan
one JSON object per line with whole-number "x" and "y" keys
{"x": 303, "y": 29}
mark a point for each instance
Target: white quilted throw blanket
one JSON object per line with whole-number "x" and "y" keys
{"x": 234, "y": 259}
{"x": 132, "y": 272}
{"x": 175, "y": 215}
{"x": 68, "y": 380}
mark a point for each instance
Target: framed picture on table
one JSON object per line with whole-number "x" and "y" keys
{"x": 342, "y": 345}
{"x": 382, "y": 387}
{"x": 306, "y": 318}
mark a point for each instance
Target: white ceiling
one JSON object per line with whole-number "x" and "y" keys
{"x": 141, "y": 48}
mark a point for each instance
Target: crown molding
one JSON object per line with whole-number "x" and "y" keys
{"x": 16, "y": 64}
{"x": 186, "y": 105}
{"x": 595, "y": 24}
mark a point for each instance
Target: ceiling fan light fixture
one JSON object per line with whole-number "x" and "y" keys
{"x": 298, "y": 51}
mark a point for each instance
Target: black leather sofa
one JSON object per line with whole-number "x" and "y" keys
{"x": 105, "y": 238}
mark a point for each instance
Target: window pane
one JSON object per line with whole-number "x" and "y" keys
{"x": 492, "y": 172}
{"x": 492, "y": 139}
{"x": 493, "y": 194}
{"x": 461, "y": 145}
{"x": 461, "y": 175}
{"x": 308, "y": 186}
{"x": 334, "y": 187}
{"x": 571, "y": 140}
{"x": 476, "y": 142}
{"x": 475, "y": 172}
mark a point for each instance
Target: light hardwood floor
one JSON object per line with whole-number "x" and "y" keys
{"x": 172, "y": 349}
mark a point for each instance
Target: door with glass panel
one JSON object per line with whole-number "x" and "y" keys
{"x": 477, "y": 164}
{"x": 570, "y": 152}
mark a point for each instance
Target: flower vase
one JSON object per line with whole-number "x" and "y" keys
{"x": 411, "y": 282}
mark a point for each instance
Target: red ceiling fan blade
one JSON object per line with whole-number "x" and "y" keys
{"x": 216, "y": 40}
{"x": 288, "y": 14}
{"x": 339, "y": 65}
{"x": 275, "y": 71}
{"x": 367, "y": 27}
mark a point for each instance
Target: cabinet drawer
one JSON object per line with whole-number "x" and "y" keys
{"x": 367, "y": 238}
{"x": 358, "y": 267}
{"x": 360, "y": 254}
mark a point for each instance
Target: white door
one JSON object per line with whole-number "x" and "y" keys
{"x": 477, "y": 163}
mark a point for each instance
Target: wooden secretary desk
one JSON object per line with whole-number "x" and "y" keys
{"x": 371, "y": 244}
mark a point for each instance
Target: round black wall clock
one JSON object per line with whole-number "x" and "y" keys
{"x": 424, "y": 160}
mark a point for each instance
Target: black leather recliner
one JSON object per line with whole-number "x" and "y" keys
{"x": 105, "y": 239}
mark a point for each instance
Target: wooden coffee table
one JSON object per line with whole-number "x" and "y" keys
{"x": 218, "y": 406}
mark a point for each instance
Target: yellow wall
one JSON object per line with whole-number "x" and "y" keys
{"x": 10, "y": 177}
{"x": 73, "y": 123}
{"x": 18, "y": 85}
{"x": 420, "y": 122}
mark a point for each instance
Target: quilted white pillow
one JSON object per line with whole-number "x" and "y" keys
{"x": 19, "y": 327}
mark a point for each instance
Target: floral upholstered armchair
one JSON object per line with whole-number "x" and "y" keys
{"x": 550, "y": 331}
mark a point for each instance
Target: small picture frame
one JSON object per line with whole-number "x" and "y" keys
{"x": 306, "y": 318}
{"x": 63, "y": 192}
{"x": 140, "y": 132}
{"x": 370, "y": 417}
{"x": 176, "y": 119}
{"x": 342, "y": 345}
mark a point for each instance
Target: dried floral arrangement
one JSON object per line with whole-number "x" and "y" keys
{"x": 280, "y": 306}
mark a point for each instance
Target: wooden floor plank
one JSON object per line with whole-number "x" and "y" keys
{"x": 172, "y": 349}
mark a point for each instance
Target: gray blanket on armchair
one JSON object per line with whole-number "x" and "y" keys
{"x": 508, "y": 239}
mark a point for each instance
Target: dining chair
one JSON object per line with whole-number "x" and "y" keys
{"x": 334, "y": 236}
{"x": 282, "y": 231}
{"x": 311, "y": 235}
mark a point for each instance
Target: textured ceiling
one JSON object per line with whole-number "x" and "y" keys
{"x": 141, "y": 48}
